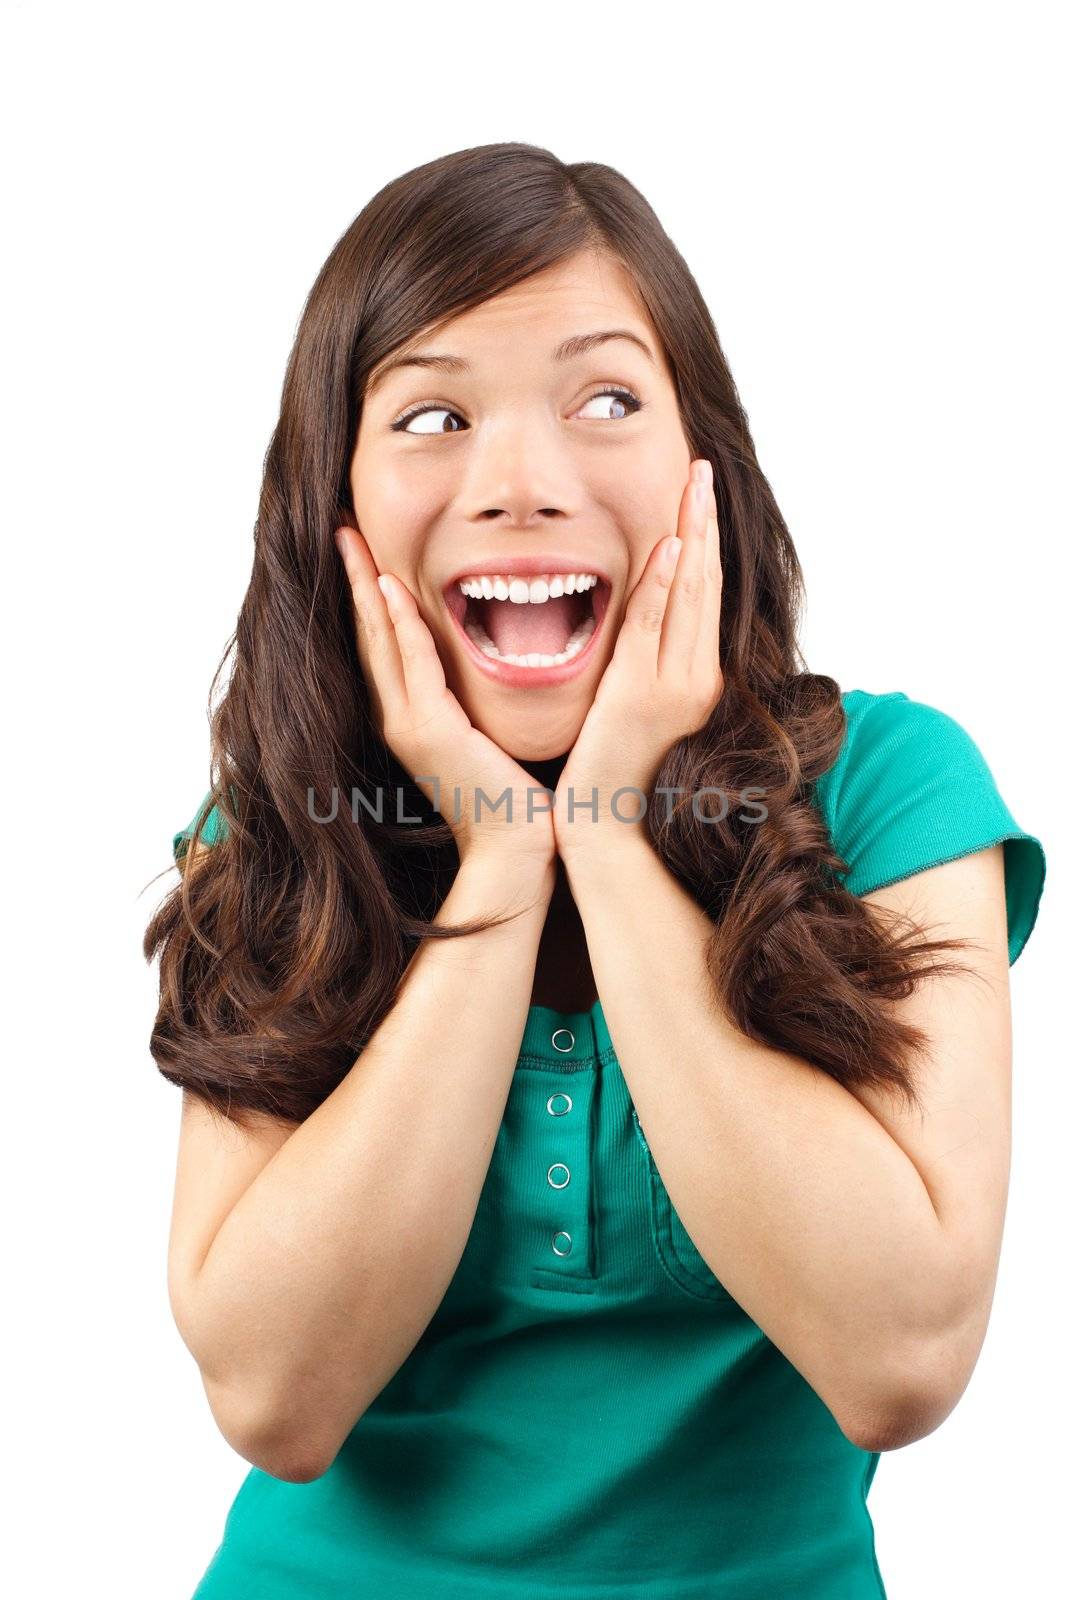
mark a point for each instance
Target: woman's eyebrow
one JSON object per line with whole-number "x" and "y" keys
{"x": 577, "y": 345}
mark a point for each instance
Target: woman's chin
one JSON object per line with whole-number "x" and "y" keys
{"x": 537, "y": 752}
{"x": 528, "y": 745}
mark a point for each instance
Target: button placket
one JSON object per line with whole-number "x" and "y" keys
{"x": 558, "y": 1173}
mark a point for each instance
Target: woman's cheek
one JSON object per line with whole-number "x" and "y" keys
{"x": 645, "y": 519}
{"x": 645, "y": 487}
{"x": 391, "y": 523}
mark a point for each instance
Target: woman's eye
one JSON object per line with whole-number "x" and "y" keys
{"x": 620, "y": 397}
{"x": 612, "y": 402}
{"x": 401, "y": 424}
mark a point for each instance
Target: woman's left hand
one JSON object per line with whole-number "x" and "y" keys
{"x": 663, "y": 681}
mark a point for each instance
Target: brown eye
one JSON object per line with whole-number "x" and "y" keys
{"x": 401, "y": 423}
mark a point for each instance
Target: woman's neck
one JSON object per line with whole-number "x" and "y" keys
{"x": 563, "y": 977}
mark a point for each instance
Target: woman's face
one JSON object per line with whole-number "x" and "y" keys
{"x": 508, "y": 461}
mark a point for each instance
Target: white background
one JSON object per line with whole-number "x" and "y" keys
{"x": 869, "y": 199}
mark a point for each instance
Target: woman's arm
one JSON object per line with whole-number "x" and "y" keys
{"x": 323, "y": 1275}
{"x": 863, "y": 1241}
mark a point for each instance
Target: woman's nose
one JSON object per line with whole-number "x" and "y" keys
{"x": 519, "y": 481}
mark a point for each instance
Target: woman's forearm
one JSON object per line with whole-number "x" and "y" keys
{"x": 811, "y": 1215}
{"x": 324, "y": 1275}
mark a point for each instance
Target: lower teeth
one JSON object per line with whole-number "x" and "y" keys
{"x": 577, "y": 641}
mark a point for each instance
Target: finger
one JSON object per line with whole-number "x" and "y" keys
{"x": 638, "y": 645}
{"x": 424, "y": 676}
{"x": 706, "y": 651}
{"x": 685, "y": 602}
{"x": 371, "y": 613}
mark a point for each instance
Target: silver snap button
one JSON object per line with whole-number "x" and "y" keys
{"x": 555, "y": 1110}
{"x": 561, "y": 1244}
{"x": 558, "y": 1166}
{"x": 563, "y": 1041}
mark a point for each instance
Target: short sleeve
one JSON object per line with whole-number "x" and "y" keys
{"x": 909, "y": 790}
{"x": 214, "y": 828}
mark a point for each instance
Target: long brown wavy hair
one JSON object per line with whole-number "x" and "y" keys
{"x": 282, "y": 949}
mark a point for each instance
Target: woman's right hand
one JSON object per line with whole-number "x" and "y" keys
{"x": 428, "y": 730}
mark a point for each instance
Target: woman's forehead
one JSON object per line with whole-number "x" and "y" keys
{"x": 550, "y": 330}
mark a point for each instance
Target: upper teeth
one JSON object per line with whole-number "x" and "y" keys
{"x": 533, "y": 591}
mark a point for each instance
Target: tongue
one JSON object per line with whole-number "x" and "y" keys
{"x": 516, "y": 630}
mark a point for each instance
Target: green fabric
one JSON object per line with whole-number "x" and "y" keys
{"x": 910, "y": 789}
{"x": 589, "y": 1414}
{"x": 214, "y": 828}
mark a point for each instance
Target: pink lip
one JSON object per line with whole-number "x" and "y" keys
{"x": 506, "y": 672}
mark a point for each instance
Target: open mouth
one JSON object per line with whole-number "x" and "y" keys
{"x": 541, "y": 622}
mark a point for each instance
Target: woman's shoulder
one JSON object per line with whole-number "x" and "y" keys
{"x": 890, "y": 735}
{"x": 881, "y": 713}
{"x": 214, "y": 828}
{"x": 910, "y": 788}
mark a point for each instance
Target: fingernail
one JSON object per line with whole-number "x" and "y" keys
{"x": 673, "y": 551}
{"x": 703, "y": 472}
{"x": 383, "y": 584}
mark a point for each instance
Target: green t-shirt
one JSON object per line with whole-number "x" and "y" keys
{"x": 589, "y": 1413}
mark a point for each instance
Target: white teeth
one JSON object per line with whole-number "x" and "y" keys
{"x": 577, "y": 641}
{"x": 531, "y": 591}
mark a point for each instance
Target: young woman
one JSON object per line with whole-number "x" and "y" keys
{"x": 589, "y": 1162}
